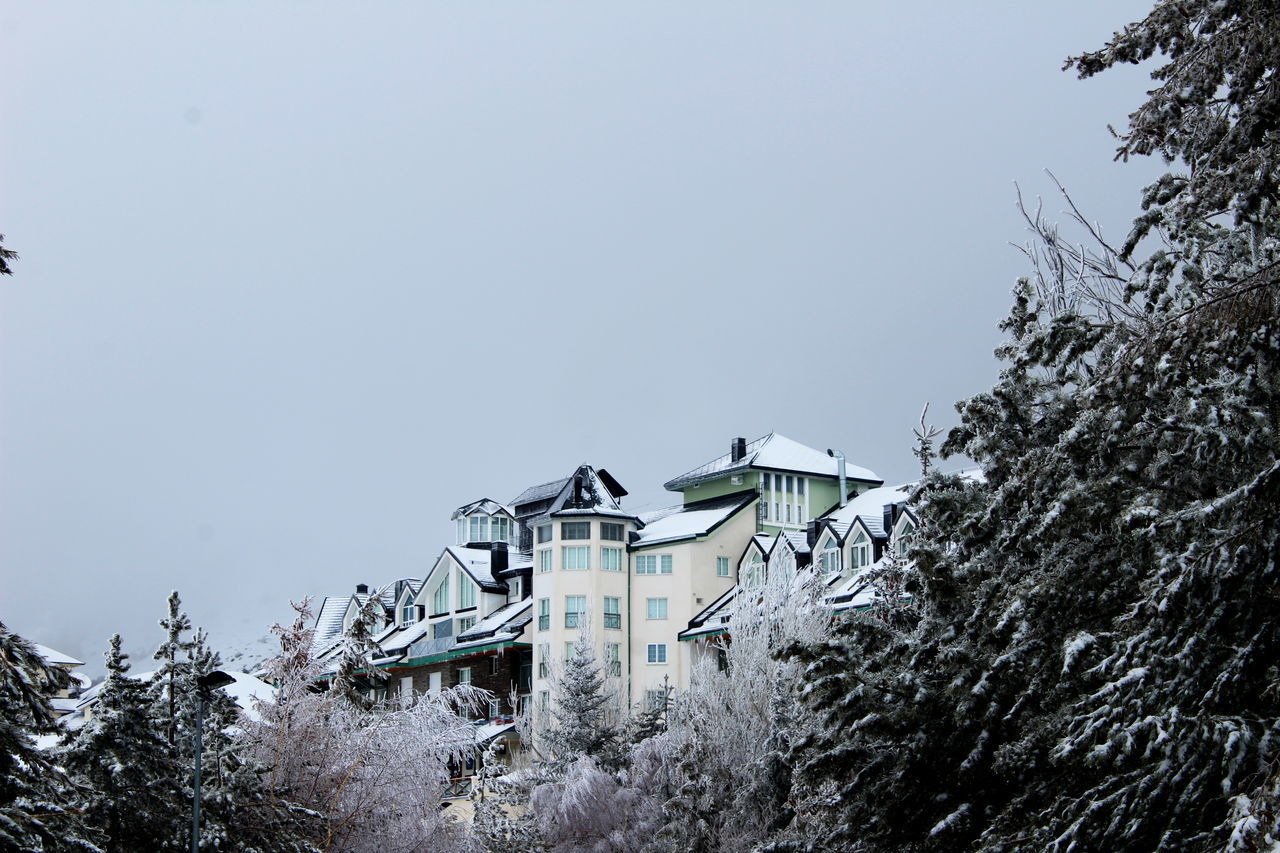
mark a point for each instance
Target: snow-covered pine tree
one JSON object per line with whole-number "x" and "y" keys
{"x": 584, "y": 716}
{"x": 173, "y": 683}
{"x": 357, "y": 678}
{"x": 39, "y": 807}
{"x": 1095, "y": 666}
{"x": 131, "y": 781}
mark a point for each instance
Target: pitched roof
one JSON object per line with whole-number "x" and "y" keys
{"x": 477, "y": 562}
{"x": 486, "y": 505}
{"x": 507, "y": 620}
{"x": 691, "y": 520}
{"x": 55, "y": 657}
{"x": 329, "y": 622}
{"x": 869, "y": 507}
{"x": 540, "y": 492}
{"x": 776, "y": 453}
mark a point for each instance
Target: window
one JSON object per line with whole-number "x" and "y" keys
{"x": 656, "y": 608}
{"x": 611, "y": 531}
{"x": 464, "y": 675}
{"x": 830, "y": 559}
{"x": 544, "y": 614}
{"x": 568, "y": 652}
{"x": 777, "y": 482}
{"x": 657, "y": 653}
{"x": 800, "y": 485}
{"x": 755, "y": 571}
{"x": 466, "y": 624}
{"x": 408, "y": 613}
{"x": 466, "y": 594}
{"x": 613, "y": 658}
{"x": 664, "y": 563}
{"x": 575, "y": 558}
{"x": 722, "y": 567}
{"x": 544, "y": 560}
{"x": 494, "y": 665}
{"x": 440, "y": 598}
{"x": 462, "y": 531}
{"x": 575, "y": 530}
{"x": 612, "y": 615}
{"x": 788, "y": 513}
{"x": 479, "y": 528}
{"x": 646, "y": 564}
{"x": 433, "y": 684}
{"x": 904, "y": 538}
{"x": 611, "y": 559}
{"x": 544, "y": 660}
{"x": 544, "y": 700}
{"x": 777, "y": 511}
{"x": 544, "y": 533}
{"x": 655, "y": 700}
{"x": 860, "y": 553}
{"x": 500, "y": 530}
{"x": 791, "y": 481}
{"x": 574, "y": 608}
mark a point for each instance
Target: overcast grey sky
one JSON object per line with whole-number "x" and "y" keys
{"x": 297, "y": 279}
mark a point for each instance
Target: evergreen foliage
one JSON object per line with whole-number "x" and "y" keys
{"x": 37, "y": 803}
{"x": 356, "y": 673}
{"x": 583, "y": 713}
{"x": 1094, "y": 665}
{"x": 130, "y": 776}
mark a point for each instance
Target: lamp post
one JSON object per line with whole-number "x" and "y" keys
{"x": 205, "y": 685}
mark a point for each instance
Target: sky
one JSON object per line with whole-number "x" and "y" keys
{"x": 298, "y": 279}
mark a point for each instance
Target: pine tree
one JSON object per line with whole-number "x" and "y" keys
{"x": 356, "y": 669}
{"x": 129, "y": 772}
{"x": 582, "y": 711}
{"x": 39, "y": 808}
{"x": 174, "y": 684}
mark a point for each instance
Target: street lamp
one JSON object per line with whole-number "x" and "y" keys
{"x": 205, "y": 685}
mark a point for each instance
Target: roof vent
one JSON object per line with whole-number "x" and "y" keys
{"x": 362, "y": 589}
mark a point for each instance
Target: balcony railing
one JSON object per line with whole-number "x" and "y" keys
{"x": 456, "y": 789}
{"x": 544, "y": 622}
{"x": 571, "y": 620}
{"x": 615, "y": 667}
{"x": 613, "y": 620}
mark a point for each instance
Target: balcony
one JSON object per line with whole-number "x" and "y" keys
{"x": 571, "y": 620}
{"x": 613, "y": 620}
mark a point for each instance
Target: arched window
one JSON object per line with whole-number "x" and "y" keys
{"x": 904, "y": 537}
{"x": 408, "y": 613}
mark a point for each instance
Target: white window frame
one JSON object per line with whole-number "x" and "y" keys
{"x": 610, "y": 556}
{"x": 581, "y": 558}
{"x": 860, "y": 551}
{"x": 655, "y": 608}
{"x": 544, "y": 560}
{"x": 723, "y": 569}
{"x": 656, "y": 653}
{"x": 464, "y": 675}
{"x": 665, "y": 562}
{"x": 440, "y": 595}
{"x": 616, "y": 611}
{"x": 466, "y": 593}
{"x": 646, "y": 564}
{"x": 574, "y": 618}
{"x": 466, "y": 623}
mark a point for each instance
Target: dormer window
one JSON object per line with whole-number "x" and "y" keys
{"x": 903, "y": 537}
{"x": 408, "y": 613}
{"x": 860, "y": 551}
{"x": 830, "y": 558}
{"x": 755, "y": 571}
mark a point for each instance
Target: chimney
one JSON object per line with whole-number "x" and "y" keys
{"x": 497, "y": 558}
{"x": 890, "y": 516}
{"x": 577, "y": 488}
{"x": 737, "y": 449}
{"x": 843, "y": 486}
{"x": 362, "y": 589}
{"x": 420, "y": 610}
{"x": 811, "y": 533}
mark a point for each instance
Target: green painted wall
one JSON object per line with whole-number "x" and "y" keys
{"x": 723, "y": 486}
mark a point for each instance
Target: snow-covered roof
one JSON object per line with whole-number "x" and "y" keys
{"x": 772, "y": 452}
{"x": 692, "y": 520}
{"x": 798, "y": 540}
{"x": 329, "y": 622}
{"x": 540, "y": 492}
{"x": 489, "y": 731}
{"x": 55, "y": 657}
{"x": 714, "y": 617}
{"x": 488, "y": 506}
{"x": 478, "y": 563}
{"x": 509, "y": 619}
{"x": 869, "y": 507}
{"x": 243, "y": 690}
